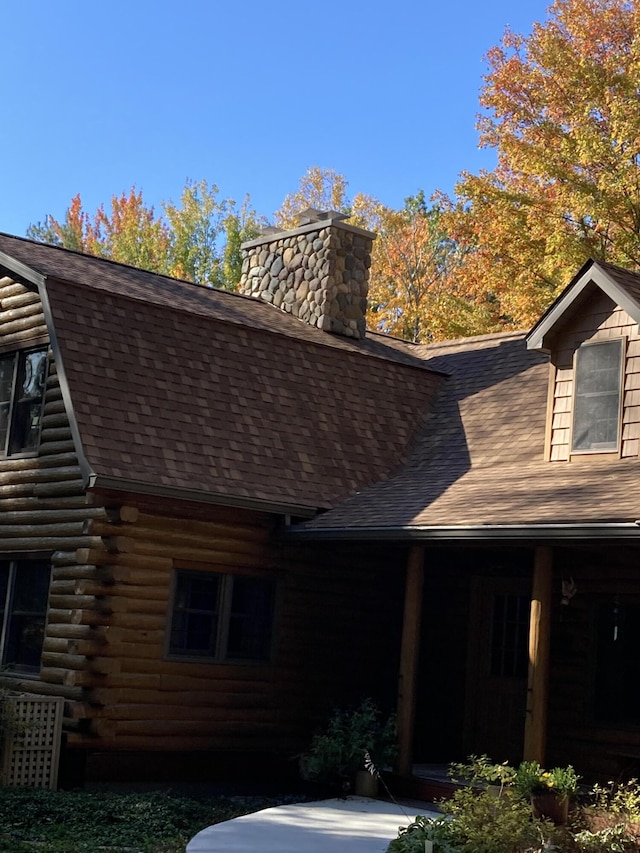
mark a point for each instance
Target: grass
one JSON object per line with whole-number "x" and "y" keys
{"x": 37, "y": 821}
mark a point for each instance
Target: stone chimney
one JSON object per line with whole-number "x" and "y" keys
{"x": 318, "y": 271}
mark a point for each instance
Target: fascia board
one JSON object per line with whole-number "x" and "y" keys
{"x": 22, "y": 270}
{"x": 472, "y": 534}
{"x": 593, "y": 274}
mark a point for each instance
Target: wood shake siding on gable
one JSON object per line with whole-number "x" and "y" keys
{"x": 604, "y": 321}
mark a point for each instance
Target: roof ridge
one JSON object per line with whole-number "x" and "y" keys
{"x": 490, "y": 336}
{"x": 112, "y": 262}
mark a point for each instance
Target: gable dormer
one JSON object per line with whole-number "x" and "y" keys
{"x": 592, "y": 338}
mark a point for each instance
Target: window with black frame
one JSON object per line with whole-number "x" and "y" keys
{"x": 24, "y": 593}
{"x": 23, "y": 376}
{"x": 222, "y": 617}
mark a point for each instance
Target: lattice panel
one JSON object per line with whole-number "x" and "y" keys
{"x": 30, "y": 756}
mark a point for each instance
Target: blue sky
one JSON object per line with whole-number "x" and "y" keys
{"x": 101, "y": 96}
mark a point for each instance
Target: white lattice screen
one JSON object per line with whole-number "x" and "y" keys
{"x": 30, "y": 756}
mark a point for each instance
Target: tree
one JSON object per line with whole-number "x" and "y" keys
{"x": 412, "y": 290}
{"x": 130, "y": 233}
{"x": 322, "y": 189}
{"x": 70, "y": 233}
{"x": 198, "y": 239}
{"x": 204, "y": 232}
{"x": 562, "y": 114}
{"x": 325, "y": 189}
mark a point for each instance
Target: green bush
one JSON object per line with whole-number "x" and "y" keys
{"x": 411, "y": 838}
{"x": 353, "y": 739}
{"x": 40, "y": 821}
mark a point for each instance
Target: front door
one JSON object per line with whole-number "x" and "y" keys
{"x": 496, "y": 687}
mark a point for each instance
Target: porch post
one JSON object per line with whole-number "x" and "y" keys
{"x": 535, "y": 730}
{"x": 409, "y": 656}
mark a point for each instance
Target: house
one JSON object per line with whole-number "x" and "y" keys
{"x": 222, "y": 513}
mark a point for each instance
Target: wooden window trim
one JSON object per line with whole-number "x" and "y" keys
{"x": 598, "y": 451}
{"x": 220, "y": 656}
{"x": 8, "y": 612}
{"x": 551, "y": 396}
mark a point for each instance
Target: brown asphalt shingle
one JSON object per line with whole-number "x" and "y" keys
{"x": 479, "y": 460}
{"x": 181, "y": 387}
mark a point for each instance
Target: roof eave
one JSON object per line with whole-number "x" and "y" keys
{"x": 472, "y": 533}
{"x": 105, "y": 483}
{"x": 21, "y": 270}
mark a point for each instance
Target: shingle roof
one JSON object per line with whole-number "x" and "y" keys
{"x": 479, "y": 460}
{"x": 180, "y": 387}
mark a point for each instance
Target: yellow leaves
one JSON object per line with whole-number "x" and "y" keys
{"x": 322, "y": 189}
{"x": 563, "y": 114}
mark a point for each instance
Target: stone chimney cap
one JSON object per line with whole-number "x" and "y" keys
{"x": 268, "y": 230}
{"x": 311, "y": 214}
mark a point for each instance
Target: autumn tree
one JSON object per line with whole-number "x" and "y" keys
{"x": 325, "y": 189}
{"x": 561, "y": 112}
{"x": 197, "y": 239}
{"x": 412, "y": 292}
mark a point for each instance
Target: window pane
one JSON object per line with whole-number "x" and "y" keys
{"x": 4, "y": 586}
{"x": 26, "y": 616}
{"x": 194, "y": 626}
{"x": 250, "y": 619}
{"x": 617, "y": 681}
{"x": 597, "y": 397}
{"x": 27, "y": 405}
{"x": 510, "y": 636}
{"x": 6, "y": 385}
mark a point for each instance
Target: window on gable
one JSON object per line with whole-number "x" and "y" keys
{"x": 23, "y": 376}
{"x": 24, "y": 592}
{"x": 596, "y": 408}
{"x": 222, "y": 617}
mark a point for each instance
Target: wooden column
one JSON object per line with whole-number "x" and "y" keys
{"x": 409, "y": 656}
{"x": 535, "y": 732}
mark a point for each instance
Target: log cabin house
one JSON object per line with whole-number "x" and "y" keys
{"x": 223, "y": 514}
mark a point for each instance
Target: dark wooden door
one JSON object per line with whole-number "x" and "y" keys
{"x": 496, "y": 694}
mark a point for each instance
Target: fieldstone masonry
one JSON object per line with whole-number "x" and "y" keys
{"x": 318, "y": 272}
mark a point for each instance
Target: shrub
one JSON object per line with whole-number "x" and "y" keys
{"x": 411, "y": 838}
{"x": 351, "y": 741}
{"x": 484, "y": 823}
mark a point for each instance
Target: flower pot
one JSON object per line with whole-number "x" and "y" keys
{"x": 366, "y": 785}
{"x": 550, "y": 806}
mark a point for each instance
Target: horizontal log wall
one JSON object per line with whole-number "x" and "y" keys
{"x": 43, "y": 507}
{"x": 332, "y": 645}
{"x": 338, "y": 619}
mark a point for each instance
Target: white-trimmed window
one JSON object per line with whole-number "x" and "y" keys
{"x": 597, "y": 397}
{"x": 222, "y": 618}
{"x": 23, "y": 377}
{"x": 24, "y": 594}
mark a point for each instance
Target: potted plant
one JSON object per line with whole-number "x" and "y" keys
{"x": 353, "y": 741}
{"x": 549, "y": 791}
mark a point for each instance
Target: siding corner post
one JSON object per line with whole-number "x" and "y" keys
{"x": 409, "y": 652}
{"x": 535, "y": 732}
